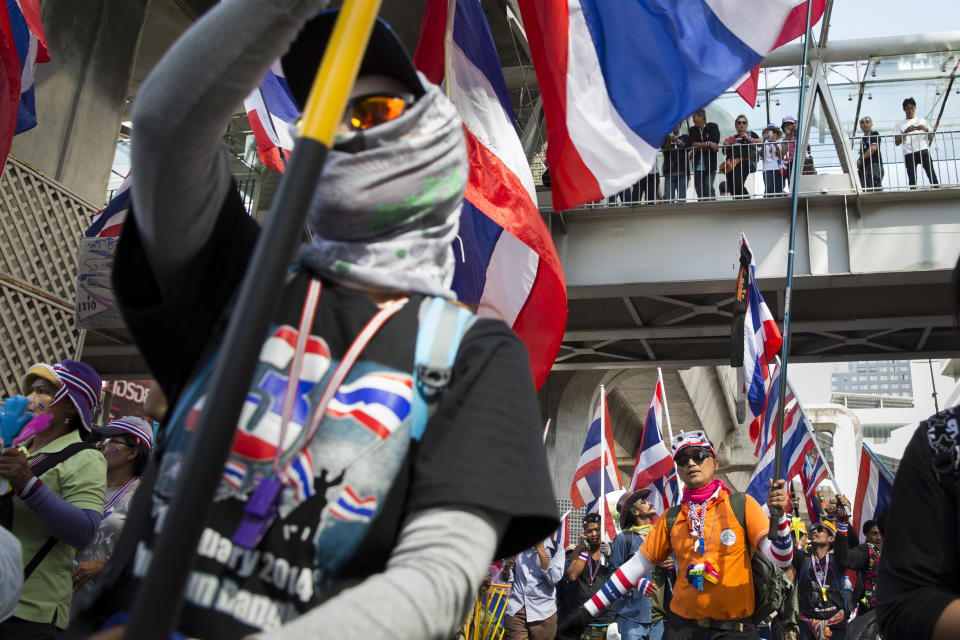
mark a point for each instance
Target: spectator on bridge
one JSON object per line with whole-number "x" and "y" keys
{"x": 126, "y": 444}
{"x": 773, "y": 164}
{"x": 741, "y": 150}
{"x": 789, "y": 127}
{"x": 915, "y": 135}
{"x": 59, "y": 482}
{"x": 675, "y": 165}
{"x": 634, "y": 609}
{"x": 532, "y": 606}
{"x": 714, "y": 598}
{"x": 704, "y": 139}
{"x": 819, "y": 573}
{"x": 870, "y": 162}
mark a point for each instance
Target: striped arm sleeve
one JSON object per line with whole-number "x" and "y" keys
{"x": 780, "y": 551}
{"x": 619, "y": 582}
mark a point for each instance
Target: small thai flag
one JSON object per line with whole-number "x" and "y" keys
{"x": 352, "y": 508}
{"x": 379, "y": 401}
{"x": 271, "y": 111}
{"x": 300, "y": 476}
{"x": 234, "y": 472}
{"x": 108, "y": 222}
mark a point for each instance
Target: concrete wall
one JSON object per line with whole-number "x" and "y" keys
{"x": 81, "y": 92}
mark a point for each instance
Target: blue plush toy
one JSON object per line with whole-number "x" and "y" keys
{"x": 13, "y": 417}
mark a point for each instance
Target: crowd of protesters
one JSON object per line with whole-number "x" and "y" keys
{"x": 700, "y": 155}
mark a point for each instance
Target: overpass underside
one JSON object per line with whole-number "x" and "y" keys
{"x": 653, "y": 285}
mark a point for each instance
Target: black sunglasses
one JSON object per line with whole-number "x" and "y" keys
{"x": 697, "y": 455}
{"x": 741, "y": 122}
{"x": 591, "y": 517}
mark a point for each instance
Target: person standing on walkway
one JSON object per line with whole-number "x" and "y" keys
{"x": 915, "y": 135}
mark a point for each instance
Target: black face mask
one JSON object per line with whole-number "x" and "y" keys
{"x": 354, "y": 142}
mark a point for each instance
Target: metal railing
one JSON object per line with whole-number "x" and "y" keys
{"x": 764, "y": 169}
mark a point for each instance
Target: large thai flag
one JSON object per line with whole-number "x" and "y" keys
{"x": 797, "y": 443}
{"x": 615, "y": 77}
{"x": 874, "y": 489}
{"x": 507, "y": 265}
{"x": 792, "y": 29}
{"x": 272, "y": 111}
{"x": 108, "y": 222}
{"x": 811, "y": 475}
{"x": 761, "y": 342}
{"x": 654, "y": 468}
{"x": 586, "y": 488}
{"x": 31, "y": 47}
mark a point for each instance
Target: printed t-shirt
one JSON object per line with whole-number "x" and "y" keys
{"x": 347, "y": 490}
{"x": 732, "y": 597}
{"x": 108, "y": 533}
{"x": 80, "y": 480}
{"x": 872, "y": 138}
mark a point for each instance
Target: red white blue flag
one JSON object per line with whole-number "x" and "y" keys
{"x": 654, "y": 468}
{"x": 561, "y": 537}
{"x": 108, "y": 222}
{"x": 811, "y": 476}
{"x": 507, "y": 265}
{"x": 615, "y": 77}
{"x": 761, "y": 343}
{"x": 797, "y": 443}
{"x": 31, "y": 50}
{"x": 874, "y": 489}
{"x": 272, "y": 111}
{"x": 587, "y": 487}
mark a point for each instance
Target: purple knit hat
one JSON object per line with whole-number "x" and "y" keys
{"x": 77, "y": 380}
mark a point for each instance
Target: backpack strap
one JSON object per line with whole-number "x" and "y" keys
{"x": 671, "y": 516}
{"x": 442, "y": 327}
{"x": 53, "y": 459}
{"x": 738, "y": 502}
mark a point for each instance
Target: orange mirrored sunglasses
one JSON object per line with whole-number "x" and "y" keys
{"x": 372, "y": 109}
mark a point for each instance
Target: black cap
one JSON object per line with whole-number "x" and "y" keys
{"x": 385, "y": 55}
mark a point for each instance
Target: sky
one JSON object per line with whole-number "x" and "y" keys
{"x": 862, "y": 19}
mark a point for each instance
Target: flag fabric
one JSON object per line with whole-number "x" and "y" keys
{"x": 561, "y": 537}
{"x": 9, "y": 84}
{"x": 31, "y": 50}
{"x": 586, "y": 488}
{"x": 654, "y": 468}
{"x": 811, "y": 475}
{"x": 272, "y": 112}
{"x": 507, "y": 265}
{"x": 108, "y": 222}
{"x": 797, "y": 443}
{"x": 761, "y": 342}
{"x": 610, "y": 93}
{"x": 874, "y": 489}
{"x": 793, "y": 28}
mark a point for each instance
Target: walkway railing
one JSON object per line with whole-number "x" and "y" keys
{"x": 763, "y": 170}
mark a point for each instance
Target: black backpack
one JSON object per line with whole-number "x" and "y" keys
{"x": 769, "y": 587}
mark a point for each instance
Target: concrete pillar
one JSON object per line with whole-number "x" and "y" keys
{"x": 81, "y": 92}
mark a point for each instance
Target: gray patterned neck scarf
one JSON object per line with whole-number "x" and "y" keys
{"x": 384, "y": 218}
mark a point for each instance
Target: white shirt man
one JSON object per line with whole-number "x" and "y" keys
{"x": 915, "y": 134}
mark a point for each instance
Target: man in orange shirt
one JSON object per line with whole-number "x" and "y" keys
{"x": 714, "y": 590}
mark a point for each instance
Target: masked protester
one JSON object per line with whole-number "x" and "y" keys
{"x": 381, "y": 531}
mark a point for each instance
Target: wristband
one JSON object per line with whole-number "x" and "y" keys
{"x": 29, "y": 487}
{"x": 645, "y": 587}
{"x": 583, "y": 557}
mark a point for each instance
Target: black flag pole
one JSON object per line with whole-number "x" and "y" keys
{"x": 157, "y": 605}
{"x": 776, "y": 513}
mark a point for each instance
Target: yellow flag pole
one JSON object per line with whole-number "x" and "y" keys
{"x": 157, "y": 605}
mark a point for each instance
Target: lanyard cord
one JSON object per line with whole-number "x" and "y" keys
{"x": 818, "y": 570}
{"x": 338, "y": 376}
{"x": 108, "y": 506}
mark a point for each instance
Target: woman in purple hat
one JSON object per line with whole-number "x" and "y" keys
{"x": 58, "y": 482}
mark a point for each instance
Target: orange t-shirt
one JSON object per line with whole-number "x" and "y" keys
{"x": 732, "y": 597}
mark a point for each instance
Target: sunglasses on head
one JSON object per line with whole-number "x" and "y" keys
{"x": 591, "y": 518}
{"x": 371, "y": 109}
{"x": 697, "y": 455}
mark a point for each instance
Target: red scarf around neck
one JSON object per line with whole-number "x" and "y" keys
{"x": 703, "y": 494}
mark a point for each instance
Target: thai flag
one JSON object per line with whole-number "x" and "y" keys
{"x": 874, "y": 489}
{"x": 108, "y": 222}
{"x": 654, "y": 465}
{"x": 352, "y": 508}
{"x": 763, "y": 428}
{"x": 300, "y": 476}
{"x": 31, "y": 50}
{"x": 797, "y": 443}
{"x": 233, "y": 473}
{"x": 561, "y": 537}
{"x": 792, "y": 29}
{"x": 615, "y": 77}
{"x": 507, "y": 266}
{"x": 810, "y": 478}
{"x": 379, "y": 401}
{"x": 586, "y": 490}
{"x": 271, "y": 111}
{"x": 761, "y": 342}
